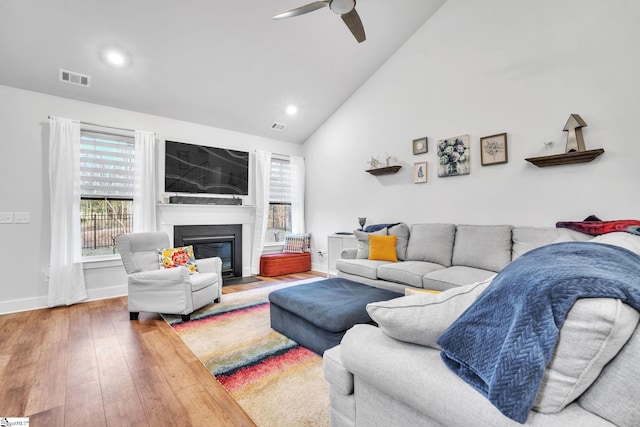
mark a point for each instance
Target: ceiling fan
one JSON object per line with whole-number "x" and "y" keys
{"x": 345, "y": 8}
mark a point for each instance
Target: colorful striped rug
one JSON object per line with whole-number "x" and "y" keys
{"x": 276, "y": 381}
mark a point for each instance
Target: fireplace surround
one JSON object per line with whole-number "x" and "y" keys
{"x": 220, "y": 240}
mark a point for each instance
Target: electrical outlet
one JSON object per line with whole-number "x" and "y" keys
{"x": 23, "y": 217}
{"x": 6, "y": 217}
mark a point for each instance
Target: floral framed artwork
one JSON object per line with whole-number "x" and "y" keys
{"x": 493, "y": 149}
{"x": 420, "y": 172}
{"x": 420, "y": 145}
{"x": 453, "y": 156}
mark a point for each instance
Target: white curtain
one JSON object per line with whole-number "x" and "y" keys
{"x": 144, "y": 190}
{"x": 263, "y": 180}
{"x": 297, "y": 194}
{"x": 66, "y": 277}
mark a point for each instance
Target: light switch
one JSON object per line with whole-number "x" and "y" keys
{"x": 23, "y": 217}
{"x": 6, "y": 217}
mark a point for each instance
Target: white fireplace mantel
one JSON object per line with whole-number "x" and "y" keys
{"x": 170, "y": 215}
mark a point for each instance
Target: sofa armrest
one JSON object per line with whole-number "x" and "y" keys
{"x": 335, "y": 373}
{"x": 349, "y": 253}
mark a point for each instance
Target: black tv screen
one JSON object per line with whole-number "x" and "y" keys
{"x": 193, "y": 168}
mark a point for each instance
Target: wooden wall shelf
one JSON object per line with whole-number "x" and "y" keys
{"x": 384, "y": 171}
{"x": 566, "y": 158}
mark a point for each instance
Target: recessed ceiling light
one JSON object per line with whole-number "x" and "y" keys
{"x": 291, "y": 110}
{"x": 115, "y": 57}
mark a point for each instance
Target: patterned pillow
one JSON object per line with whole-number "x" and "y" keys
{"x": 176, "y": 257}
{"x": 297, "y": 243}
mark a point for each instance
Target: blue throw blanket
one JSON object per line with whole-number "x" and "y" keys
{"x": 502, "y": 343}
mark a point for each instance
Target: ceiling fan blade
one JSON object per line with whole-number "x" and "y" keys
{"x": 302, "y": 9}
{"x": 352, "y": 19}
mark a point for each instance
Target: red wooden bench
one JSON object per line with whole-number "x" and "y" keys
{"x": 284, "y": 263}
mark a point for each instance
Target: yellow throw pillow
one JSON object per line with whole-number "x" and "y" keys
{"x": 383, "y": 248}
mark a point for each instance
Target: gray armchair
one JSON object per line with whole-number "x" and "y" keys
{"x": 168, "y": 291}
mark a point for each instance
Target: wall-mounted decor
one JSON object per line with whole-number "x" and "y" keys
{"x": 419, "y": 172}
{"x": 493, "y": 149}
{"x": 575, "y": 150}
{"x": 378, "y": 168}
{"x": 453, "y": 156}
{"x": 420, "y": 145}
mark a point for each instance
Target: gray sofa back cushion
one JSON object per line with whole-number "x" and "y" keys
{"x": 620, "y": 378}
{"x": 483, "y": 246}
{"x": 526, "y": 239}
{"x": 431, "y": 243}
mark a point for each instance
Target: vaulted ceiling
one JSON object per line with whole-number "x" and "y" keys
{"x": 225, "y": 64}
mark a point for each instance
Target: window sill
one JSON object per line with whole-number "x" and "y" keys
{"x": 101, "y": 261}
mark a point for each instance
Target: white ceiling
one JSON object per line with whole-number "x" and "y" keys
{"x": 225, "y": 64}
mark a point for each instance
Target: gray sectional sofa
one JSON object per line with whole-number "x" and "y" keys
{"x": 393, "y": 374}
{"x": 443, "y": 256}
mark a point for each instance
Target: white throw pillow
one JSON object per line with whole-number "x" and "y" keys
{"x": 624, "y": 240}
{"x": 422, "y": 318}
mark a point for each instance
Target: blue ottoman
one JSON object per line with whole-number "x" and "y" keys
{"x": 317, "y": 315}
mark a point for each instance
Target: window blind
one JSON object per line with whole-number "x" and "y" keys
{"x": 106, "y": 165}
{"x": 280, "y": 181}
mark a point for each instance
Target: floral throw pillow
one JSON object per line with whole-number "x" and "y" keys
{"x": 176, "y": 257}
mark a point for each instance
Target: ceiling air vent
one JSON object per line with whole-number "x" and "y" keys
{"x": 278, "y": 126}
{"x": 74, "y": 78}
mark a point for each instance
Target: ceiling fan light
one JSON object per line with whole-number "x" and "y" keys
{"x": 342, "y": 6}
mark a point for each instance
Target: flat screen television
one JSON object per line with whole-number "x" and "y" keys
{"x": 191, "y": 168}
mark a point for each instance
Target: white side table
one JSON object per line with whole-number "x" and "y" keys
{"x": 336, "y": 243}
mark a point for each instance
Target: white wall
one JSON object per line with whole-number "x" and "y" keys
{"x": 481, "y": 68}
{"x": 24, "y": 157}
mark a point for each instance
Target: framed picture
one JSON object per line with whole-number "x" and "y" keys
{"x": 453, "y": 156}
{"x": 419, "y": 172}
{"x": 420, "y": 145}
{"x": 493, "y": 149}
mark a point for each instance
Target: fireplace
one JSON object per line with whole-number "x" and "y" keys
{"x": 224, "y": 241}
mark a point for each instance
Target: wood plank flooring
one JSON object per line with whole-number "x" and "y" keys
{"x": 88, "y": 365}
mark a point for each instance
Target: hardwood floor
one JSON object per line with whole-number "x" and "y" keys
{"x": 88, "y": 365}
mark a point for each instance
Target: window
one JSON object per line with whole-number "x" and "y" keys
{"x": 106, "y": 186}
{"x": 279, "y": 221}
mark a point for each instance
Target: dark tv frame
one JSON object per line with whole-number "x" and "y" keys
{"x": 240, "y": 188}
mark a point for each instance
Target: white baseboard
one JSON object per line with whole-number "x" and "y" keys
{"x": 319, "y": 267}
{"x": 37, "y": 303}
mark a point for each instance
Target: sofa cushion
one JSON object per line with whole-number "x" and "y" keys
{"x": 382, "y": 248}
{"x": 431, "y": 243}
{"x": 482, "y": 246}
{"x": 451, "y": 277}
{"x": 526, "y": 239}
{"x": 407, "y": 272}
{"x": 363, "y": 242}
{"x": 360, "y": 267}
{"x": 402, "y": 232}
{"x": 421, "y": 319}
{"x": 620, "y": 379}
{"x": 593, "y": 332}
{"x": 622, "y": 239}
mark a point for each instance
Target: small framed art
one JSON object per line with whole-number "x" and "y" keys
{"x": 420, "y": 145}
{"x": 493, "y": 149}
{"x": 420, "y": 172}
